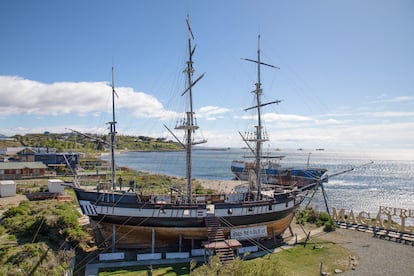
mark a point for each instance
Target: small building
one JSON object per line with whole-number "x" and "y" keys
{"x": 55, "y": 186}
{"x": 6, "y": 138}
{"x": 26, "y": 155}
{"x": 47, "y": 156}
{"x": 59, "y": 159}
{"x": 19, "y": 170}
{"x": 7, "y": 188}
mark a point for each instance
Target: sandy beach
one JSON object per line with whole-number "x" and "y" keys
{"x": 222, "y": 186}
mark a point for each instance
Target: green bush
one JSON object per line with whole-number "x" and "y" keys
{"x": 28, "y": 251}
{"x": 22, "y": 209}
{"x": 37, "y": 231}
{"x": 2, "y": 230}
{"x": 302, "y": 217}
{"x": 329, "y": 226}
{"x": 38, "y": 225}
{"x": 322, "y": 219}
{"x": 35, "y": 259}
{"x": 311, "y": 215}
{"x": 262, "y": 266}
{"x": 324, "y": 216}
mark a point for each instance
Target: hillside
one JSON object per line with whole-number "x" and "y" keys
{"x": 89, "y": 142}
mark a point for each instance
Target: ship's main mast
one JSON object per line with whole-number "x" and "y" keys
{"x": 259, "y": 139}
{"x": 190, "y": 118}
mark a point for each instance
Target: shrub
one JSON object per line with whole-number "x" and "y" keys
{"x": 265, "y": 266}
{"x": 53, "y": 223}
{"x": 324, "y": 216}
{"x": 28, "y": 251}
{"x": 301, "y": 217}
{"x": 2, "y": 230}
{"x": 38, "y": 225}
{"x": 22, "y": 209}
{"x": 329, "y": 226}
{"x": 312, "y": 215}
{"x": 322, "y": 219}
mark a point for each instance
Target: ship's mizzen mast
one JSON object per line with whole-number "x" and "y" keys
{"x": 188, "y": 124}
{"x": 259, "y": 138}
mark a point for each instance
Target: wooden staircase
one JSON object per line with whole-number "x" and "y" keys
{"x": 215, "y": 234}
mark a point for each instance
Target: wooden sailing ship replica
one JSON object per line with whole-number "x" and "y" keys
{"x": 178, "y": 221}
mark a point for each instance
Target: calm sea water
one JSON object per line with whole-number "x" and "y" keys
{"x": 386, "y": 182}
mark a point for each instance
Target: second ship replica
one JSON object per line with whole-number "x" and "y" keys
{"x": 191, "y": 220}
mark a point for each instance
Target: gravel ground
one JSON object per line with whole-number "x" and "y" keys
{"x": 12, "y": 201}
{"x": 375, "y": 256}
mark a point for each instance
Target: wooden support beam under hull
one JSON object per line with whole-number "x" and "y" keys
{"x": 140, "y": 237}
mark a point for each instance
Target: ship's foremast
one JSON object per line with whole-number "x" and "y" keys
{"x": 188, "y": 124}
{"x": 112, "y": 133}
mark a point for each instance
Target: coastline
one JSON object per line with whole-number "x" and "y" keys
{"x": 220, "y": 185}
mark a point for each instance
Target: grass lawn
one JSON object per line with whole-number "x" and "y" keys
{"x": 306, "y": 260}
{"x": 158, "y": 270}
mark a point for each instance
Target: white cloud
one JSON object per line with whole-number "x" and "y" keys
{"x": 273, "y": 117}
{"x": 389, "y": 114}
{"x": 398, "y": 99}
{"x": 281, "y": 121}
{"x": 54, "y": 129}
{"x": 142, "y": 113}
{"x": 142, "y": 105}
{"x": 385, "y": 135}
{"x": 212, "y": 112}
{"x": 23, "y": 96}
{"x": 360, "y": 138}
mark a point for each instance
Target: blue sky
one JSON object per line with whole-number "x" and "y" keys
{"x": 346, "y": 77}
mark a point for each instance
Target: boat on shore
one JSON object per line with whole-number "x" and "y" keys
{"x": 271, "y": 169}
{"x": 183, "y": 219}
{"x": 273, "y": 173}
{"x": 34, "y": 196}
